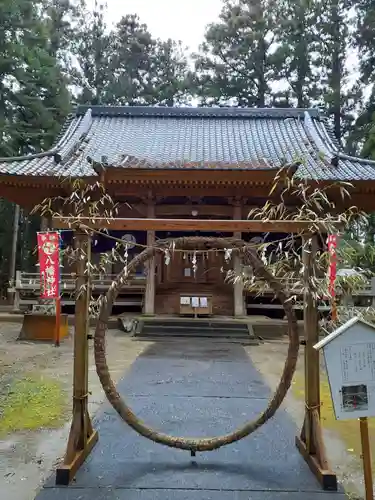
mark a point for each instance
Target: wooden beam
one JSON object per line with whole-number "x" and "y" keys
{"x": 256, "y": 226}
{"x": 190, "y": 175}
{"x": 119, "y": 191}
{"x": 220, "y": 211}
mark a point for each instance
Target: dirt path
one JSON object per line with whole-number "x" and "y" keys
{"x": 28, "y": 457}
{"x": 269, "y": 359}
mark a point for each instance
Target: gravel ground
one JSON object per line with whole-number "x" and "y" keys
{"x": 269, "y": 359}
{"x": 28, "y": 457}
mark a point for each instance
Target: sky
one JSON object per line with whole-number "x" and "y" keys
{"x": 174, "y": 19}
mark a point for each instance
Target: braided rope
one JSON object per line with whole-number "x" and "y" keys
{"x": 206, "y": 444}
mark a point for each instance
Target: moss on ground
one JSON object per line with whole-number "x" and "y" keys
{"x": 348, "y": 430}
{"x": 32, "y": 403}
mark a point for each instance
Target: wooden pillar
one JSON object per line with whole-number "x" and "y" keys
{"x": 310, "y": 443}
{"x": 45, "y": 223}
{"x": 17, "y": 295}
{"x": 150, "y": 266}
{"x": 311, "y": 329}
{"x": 13, "y": 255}
{"x": 239, "y": 305}
{"x": 82, "y": 437}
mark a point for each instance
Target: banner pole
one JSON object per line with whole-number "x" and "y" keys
{"x": 58, "y": 322}
{"x": 58, "y": 298}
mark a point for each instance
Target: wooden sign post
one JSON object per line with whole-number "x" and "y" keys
{"x": 349, "y": 353}
{"x": 366, "y": 458}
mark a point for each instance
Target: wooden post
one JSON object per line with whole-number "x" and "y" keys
{"x": 366, "y": 458}
{"x": 310, "y": 443}
{"x": 58, "y": 321}
{"x": 17, "y": 295}
{"x": 82, "y": 437}
{"x": 13, "y": 255}
{"x": 150, "y": 265}
{"x": 58, "y": 302}
{"x": 45, "y": 223}
{"x": 239, "y": 309}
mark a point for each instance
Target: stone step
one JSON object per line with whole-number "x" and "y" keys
{"x": 194, "y": 323}
{"x": 193, "y": 329}
{"x": 193, "y": 333}
{"x": 174, "y": 330}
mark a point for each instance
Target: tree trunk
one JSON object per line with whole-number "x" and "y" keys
{"x": 336, "y": 70}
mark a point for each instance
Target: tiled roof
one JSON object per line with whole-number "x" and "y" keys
{"x": 197, "y": 138}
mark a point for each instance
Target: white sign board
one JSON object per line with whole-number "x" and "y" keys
{"x": 185, "y": 301}
{"x": 195, "y": 301}
{"x": 349, "y": 354}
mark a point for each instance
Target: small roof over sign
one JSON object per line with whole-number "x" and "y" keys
{"x": 336, "y": 333}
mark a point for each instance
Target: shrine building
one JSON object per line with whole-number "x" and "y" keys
{"x": 190, "y": 165}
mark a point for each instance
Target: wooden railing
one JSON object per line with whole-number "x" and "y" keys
{"x": 31, "y": 281}
{"x": 26, "y": 289}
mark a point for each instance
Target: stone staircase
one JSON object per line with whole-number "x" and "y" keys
{"x": 157, "y": 328}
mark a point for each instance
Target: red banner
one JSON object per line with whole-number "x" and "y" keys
{"x": 49, "y": 261}
{"x": 332, "y": 271}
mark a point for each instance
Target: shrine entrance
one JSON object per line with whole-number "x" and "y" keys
{"x": 187, "y": 277}
{"x": 83, "y": 437}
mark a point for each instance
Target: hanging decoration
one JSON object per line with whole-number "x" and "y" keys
{"x": 49, "y": 262}
{"x": 194, "y": 262}
{"x": 263, "y": 256}
{"x": 167, "y": 257}
{"x": 126, "y": 260}
{"x": 332, "y": 270}
{"x": 228, "y": 254}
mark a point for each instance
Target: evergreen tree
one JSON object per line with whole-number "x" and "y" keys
{"x": 237, "y": 60}
{"x": 93, "y": 49}
{"x": 34, "y": 100}
{"x": 368, "y": 150}
{"x": 130, "y": 61}
{"x": 62, "y": 17}
{"x": 362, "y": 136}
{"x": 143, "y": 70}
{"x": 298, "y": 44}
{"x": 169, "y": 80}
{"x": 365, "y": 38}
{"x": 333, "y": 31}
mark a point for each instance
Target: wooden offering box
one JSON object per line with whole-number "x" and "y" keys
{"x": 43, "y": 327}
{"x": 195, "y": 305}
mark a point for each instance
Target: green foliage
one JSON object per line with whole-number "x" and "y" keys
{"x": 32, "y": 403}
{"x": 333, "y": 31}
{"x": 33, "y": 97}
{"x": 92, "y": 48}
{"x": 298, "y": 43}
{"x": 365, "y": 38}
{"x": 236, "y": 64}
{"x": 368, "y": 149}
{"x": 126, "y": 65}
